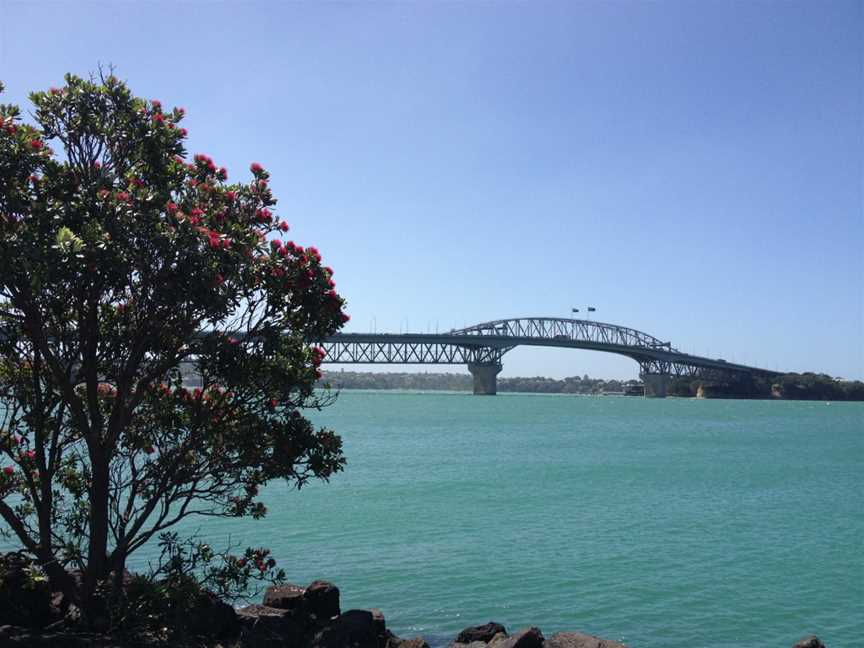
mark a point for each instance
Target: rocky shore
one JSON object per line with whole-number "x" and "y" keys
{"x": 289, "y": 616}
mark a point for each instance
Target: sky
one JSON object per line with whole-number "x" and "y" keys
{"x": 693, "y": 170}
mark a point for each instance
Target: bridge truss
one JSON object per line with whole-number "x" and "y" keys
{"x": 485, "y": 344}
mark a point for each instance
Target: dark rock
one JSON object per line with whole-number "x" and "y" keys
{"x": 267, "y": 627}
{"x": 212, "y": 617}
{"x": 379, "y": 623}
{"x": 809, "y": 642}
{"x": 417, "y": 642}
{"x": 7, "y": 631}
{"x": 483, "y": 632}
{"x": 354, "y": 629}
{"x": 527, "y": 638}
{"x": 284, "y": 597}
{"x": 579, "y": 640}
{"x": 60, "y": 640}
{"x": 25, "y": 598}
{"x": 322, "y": 599}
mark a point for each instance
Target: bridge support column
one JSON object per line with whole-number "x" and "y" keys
{"x": 485, "y": 378}
{"x": 656, "y": 385}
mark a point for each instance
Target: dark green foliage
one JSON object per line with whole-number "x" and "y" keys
{"x": 122, "y": 261}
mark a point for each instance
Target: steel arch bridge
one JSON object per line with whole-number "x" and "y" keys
{"x": 482, "y": 347}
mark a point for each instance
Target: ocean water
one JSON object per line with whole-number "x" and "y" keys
{"x": 659, "y": 523}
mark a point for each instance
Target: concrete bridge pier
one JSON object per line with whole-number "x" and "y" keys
{"x": 656, "y": 385}
{"x": 485, "y": 378}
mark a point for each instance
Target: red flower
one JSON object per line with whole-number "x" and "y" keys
{"x": 197, "y": 212}
{"x": 183, "y": 132}
{"x": 156, "y": 104}
{"x": 122, "y": 196}
{"x": 36, "y": 144}
{"x": 264, "y": 215}
{"x": 181, "y": 110}
{"x": 54, "y": 91}
{"x": 218, "y": 280}
{"x": 283, "y": 226}
{"x": 276, "y": 244}
{"x": 171, "y": 207}
{"x": 149, "y": 449}
{"x": 30, "y": 454}
{"x": 9, "y": 470}
{"x": 256, "y": 168}
{"x": 158, "y": 118}
{"x": 233, "y": 341}
{"x": 230, "y": 195}
{"x": 345, "y": 317}
{"x": 223, "y": 173}
{"x": 272, "y": 403}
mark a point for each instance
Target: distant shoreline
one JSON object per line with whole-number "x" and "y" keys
{"x": 808, "y": 386}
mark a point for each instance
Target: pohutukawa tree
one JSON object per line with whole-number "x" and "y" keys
{"x": 121, "y": 263}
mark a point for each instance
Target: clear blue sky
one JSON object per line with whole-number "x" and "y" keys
{"x": 691, "y": 169}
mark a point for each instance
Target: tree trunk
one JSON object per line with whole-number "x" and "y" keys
{"x": 97, "y": 553}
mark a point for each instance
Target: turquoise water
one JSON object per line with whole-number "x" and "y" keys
{"x": 655, "y": 522}
{"x": 660, "y": 523}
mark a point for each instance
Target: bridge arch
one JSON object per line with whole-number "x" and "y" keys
{"x": 482, "y": 346}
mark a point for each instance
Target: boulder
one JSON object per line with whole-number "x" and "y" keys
{"x": 417, "y": 642}
{"x": 284, "y": 597}
{"x": 60, "y": 640}
{"x": 379, "y": 624}
{"x": 809, "y": 642}
{"x": 483, "y": 633}
{"x": 212, "y": 617}
{"x": 322, "y": 599}
{"x": 527, "y": 638}
{"x": 268, "y": 627}
{"x": 353, "y": 629}
{"x": 579, "y": 640}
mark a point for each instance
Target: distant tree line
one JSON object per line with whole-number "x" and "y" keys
{"x": 790, "y": 386}
{"x": 464, "y": 382}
